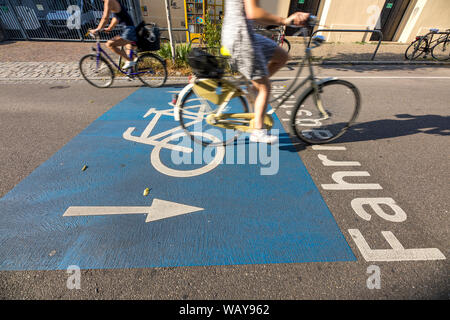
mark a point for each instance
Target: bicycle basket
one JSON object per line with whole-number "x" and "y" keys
{"x": 149, "y": 38}
{"x": 204, "y": 65}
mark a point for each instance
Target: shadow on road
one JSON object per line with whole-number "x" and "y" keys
{"x": 381, "y": 67}
{"x": 404, "y": 125}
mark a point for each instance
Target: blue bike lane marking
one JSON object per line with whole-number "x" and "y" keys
{"x": 229, "y": 215}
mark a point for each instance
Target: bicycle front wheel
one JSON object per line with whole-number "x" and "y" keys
{"x": 441, "y": 51}
{"x": 193, "y": 113}
{"x": 151, "y": 70}
{"x": 96, "y": 71}
{"x": 325, "y": 116}
{"x": 416, "y": 49}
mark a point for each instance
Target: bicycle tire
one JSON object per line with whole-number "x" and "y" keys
{"x": 184, "y": 118}
{"x": 91, "y": 58}
{"x": 416, "y": 49}
{"x": 286, "y": 45}
{"x": 155, "y": 70}
{"x": 442, "y": 54}
{"x": 331, "y": 131}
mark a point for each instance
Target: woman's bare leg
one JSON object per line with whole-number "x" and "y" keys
{"x": 279, "y": 59}
{"x": 263, "y": 87}
{"x": 115, "y": 45}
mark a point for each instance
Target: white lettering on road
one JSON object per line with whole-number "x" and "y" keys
{"x": 358, "y": 203}
{"x": 397, "y": 253}
{"x": 340, "y": 184}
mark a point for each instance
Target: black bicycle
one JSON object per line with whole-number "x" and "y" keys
{"x": 277, "y": 34}
{"x": 424, "y": 45}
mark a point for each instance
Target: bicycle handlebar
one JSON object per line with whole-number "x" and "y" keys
{"x": 94, "y": 36}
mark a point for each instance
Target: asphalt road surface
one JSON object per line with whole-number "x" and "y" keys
{"x": 400, "y": 143}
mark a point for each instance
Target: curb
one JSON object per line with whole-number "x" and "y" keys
{"x": 377, "y": 63}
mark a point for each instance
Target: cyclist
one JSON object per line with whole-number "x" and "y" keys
{"x": 128, "y": 37}
{"x": 256, "y": 56}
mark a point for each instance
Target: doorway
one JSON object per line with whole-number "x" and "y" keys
{"x": 390, "y": 18}
{"x": 310, "y": 6}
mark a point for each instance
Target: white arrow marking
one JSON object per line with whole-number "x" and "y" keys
{"x": 160, "y": 209}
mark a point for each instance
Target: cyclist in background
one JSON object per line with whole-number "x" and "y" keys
{"x": 128, "y": 37}
{"x": 256, "y": 56}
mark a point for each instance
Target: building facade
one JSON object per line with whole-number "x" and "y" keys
{"x": 399, "y": 20}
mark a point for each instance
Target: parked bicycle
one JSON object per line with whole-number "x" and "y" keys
{"x": 277, "y": 34}
{"x": 424, "y": 45}
{"x": 150, "y": 69}
{"x": 323, "y": 112}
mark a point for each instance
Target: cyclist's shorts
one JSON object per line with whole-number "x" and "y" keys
{"x": 252, "y": 62}
{"x": 129, "y": 33}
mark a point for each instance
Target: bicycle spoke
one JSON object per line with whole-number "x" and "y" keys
{"x": 96, "y": 71}
{"x": 319, "y": 123}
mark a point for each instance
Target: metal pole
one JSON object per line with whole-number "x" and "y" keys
{"x": 347, "y": 30}
{"x": 137, "y": 11}
{"x": 169, "y": 25}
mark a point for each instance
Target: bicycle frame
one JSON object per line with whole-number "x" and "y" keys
{"x": 314, "y": 82}
{"x": 428, "y": 38}
{"x": 99, "y": 50}
{"x": 281, "y": 35}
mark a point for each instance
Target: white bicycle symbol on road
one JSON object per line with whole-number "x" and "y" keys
{"x": 170, "y": 135}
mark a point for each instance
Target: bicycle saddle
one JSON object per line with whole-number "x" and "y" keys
{"x": 434, "y": 30}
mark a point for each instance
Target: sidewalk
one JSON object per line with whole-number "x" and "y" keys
{"x": 354, "y": 52}
{"x": 47, "y": 60}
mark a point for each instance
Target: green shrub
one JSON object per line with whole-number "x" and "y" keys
{"x": 212, "y": 32}
{"x": 181, "y": 53}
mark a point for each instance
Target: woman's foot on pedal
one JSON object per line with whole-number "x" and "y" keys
{"x": 260, "y": 135}
{"x": 129, "y": 64}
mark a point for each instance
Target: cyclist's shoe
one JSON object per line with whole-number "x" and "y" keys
{"x": 260, "y": 135}
{"x": 129, "y": 64}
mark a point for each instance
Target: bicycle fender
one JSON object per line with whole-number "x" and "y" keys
{"x": 326, "y": 80}
{"x": 176, "y": 107}
{"x": 319, "y": 83}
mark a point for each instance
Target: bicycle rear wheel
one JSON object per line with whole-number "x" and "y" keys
{"x": 193, "y": 113}
{"x": 97, "y": 72}
{"x": 441, "y": 51}
{"x": 340, "y": 101}
{"x": 286, "y": 45}
{"x": 151, "y": 70}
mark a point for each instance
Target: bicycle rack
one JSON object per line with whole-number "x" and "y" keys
{"x": 348, "y": 30}
{"x": 178, "y": 29}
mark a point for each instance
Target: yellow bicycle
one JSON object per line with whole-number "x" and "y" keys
{"x": 219, "y": 106}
